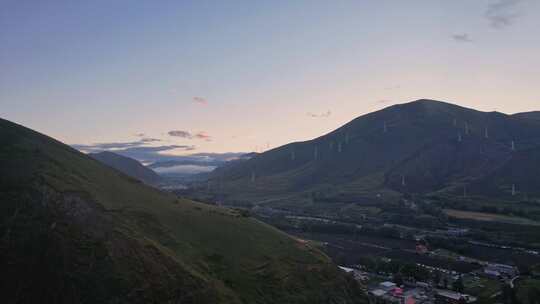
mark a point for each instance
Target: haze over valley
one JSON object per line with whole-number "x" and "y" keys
{"x": 270, "y": 152}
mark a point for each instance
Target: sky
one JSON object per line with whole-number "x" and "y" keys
{"x": 183, "y": 77}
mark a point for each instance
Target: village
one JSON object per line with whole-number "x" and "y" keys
{"x": 397, "y": 263}
{"x": 442, "y": 286}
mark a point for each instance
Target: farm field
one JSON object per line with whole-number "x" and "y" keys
{"x": 483, "y": 288}
{"x": 491, "y": 217}
{"x": 346, "y": 249}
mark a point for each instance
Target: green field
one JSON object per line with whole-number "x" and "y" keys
{"x": 491, "y": 217}
{"x": 483, "y": 288}
{"x": 528, "y": 291}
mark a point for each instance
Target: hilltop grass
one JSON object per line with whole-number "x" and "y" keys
{"x": 240, "y": 259}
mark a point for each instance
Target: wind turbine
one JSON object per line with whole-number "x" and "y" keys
{"x": 486, "y": 133}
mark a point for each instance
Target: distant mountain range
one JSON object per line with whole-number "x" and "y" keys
{"x": 535, "y": 115}
{"x": 421, "y": 147}
{"x": 128, "y": 166}
{"x": 76, "y": 231}
{"x": 195, "y": 164}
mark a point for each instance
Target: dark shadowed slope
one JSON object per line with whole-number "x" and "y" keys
{"x": 75, "y": 231}
{"x": 417, "y": 147}
{"x": 534, "y": 115}
{"x": 128, "y": 166}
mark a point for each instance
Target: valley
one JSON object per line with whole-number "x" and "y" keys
{"x": 87, "y": 233}
{"x": 269, "y": 152}
{"x": 454, "y": 199}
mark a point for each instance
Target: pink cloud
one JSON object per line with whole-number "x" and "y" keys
{"x": 200, "y": 101}
{"x": 203, "y": 135}
{"x": 180, "y": 133}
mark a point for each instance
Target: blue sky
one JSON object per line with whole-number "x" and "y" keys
{"x": 265, "y": 73}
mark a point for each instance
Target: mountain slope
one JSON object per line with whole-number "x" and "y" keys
{"x": 418, "y": 147}
{"x": 75, "y": 231}
{"x": 128, "y": 166}
{"x": 534, "y": 115}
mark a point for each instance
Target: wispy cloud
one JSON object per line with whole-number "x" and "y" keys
{"x": 502, "y": 13}
{"x": 319, "y": 115}
{"x": 195, "y": 163}
{"x": 462, "y": 38}
{"x": 179, "y": 133}
{"x": 109, "y": 146}
{"x": 189, "y": 135}
{"x": 200, "y": 100}
{"x": 226, "y": 156}
{"x": 207, "y": 159}
{"x": 203, "y": 135}
{"x": 139, "y": 150}
{"x": 145, "y": 139}
{"x": 154, "y": 153}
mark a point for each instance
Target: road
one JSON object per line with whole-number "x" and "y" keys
{"x": 512, "y": 281}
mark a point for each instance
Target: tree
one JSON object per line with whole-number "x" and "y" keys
{"x": 398, "y": 279}
{"x": 509, "y": 295}
{"x": 458, "y": 285}
{"x": 534, "y": 295}
{"x": 445, "y": 282}
{"x": 436, "y": 278}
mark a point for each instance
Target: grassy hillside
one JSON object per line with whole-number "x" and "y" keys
{"x": 128, "y": 166}
{"x": 420, "y": 147}
{"x": 75, "y": 231}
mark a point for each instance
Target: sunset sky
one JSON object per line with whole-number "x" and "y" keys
{"x": 230, "y": 76}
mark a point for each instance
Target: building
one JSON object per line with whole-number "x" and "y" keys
{"x": 443, "y": 296}
{"x": 389, "y": 293}
{"x": 501, "y": 271}
{"x": 387, "y": 286}
{"x": 346, "y": 269}
{"x": 357, "y": 274}
{"x": 457, "y": 231}
{"x": 423, "y": 285}
{"x": 421, "y": 249}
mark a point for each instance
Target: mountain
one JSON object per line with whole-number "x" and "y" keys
{"x": 195, "y": 165}
{"x": 421, "y": 147}
{"x": 75, "y": 231}
{"x": 534, "y": 115}
{"x": 128, "y": 166}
